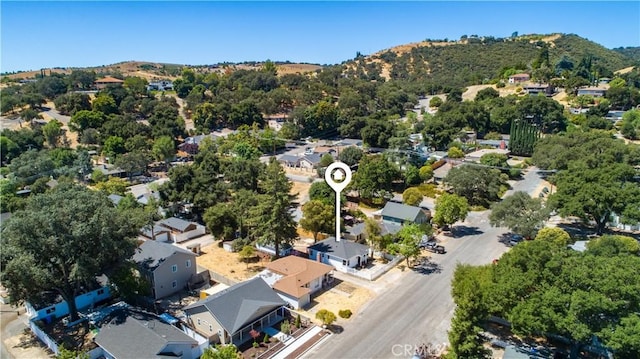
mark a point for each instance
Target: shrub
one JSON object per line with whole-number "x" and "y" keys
{"x": 298, "y": 322}
{"x": 346, "y": 313}
{"x": 285, "y": 327}
{"x": 266, "y": 339}
{"x": 500, "y": 84}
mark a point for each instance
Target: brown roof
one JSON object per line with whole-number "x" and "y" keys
{"x": 109, "y": 79}
{"x": 520, "y": 75}
{"x": 297, "y": 273}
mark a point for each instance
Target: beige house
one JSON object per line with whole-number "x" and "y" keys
{"x": 106, "y": 81}
{"x": 228, "y": 316}
{"x": 295, "y": 279}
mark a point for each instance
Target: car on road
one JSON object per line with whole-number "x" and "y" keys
{"x": 432, "y": 247}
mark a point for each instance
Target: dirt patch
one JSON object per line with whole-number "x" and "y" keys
{"x": 301, "y": 190}
{"x": 27, "y": 346}
{"x": 340, "y": 297}
{"x": 297, "y": 68}
{"x": 216, "y": 259}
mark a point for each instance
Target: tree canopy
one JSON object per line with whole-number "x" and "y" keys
{"x": 61, "y": 242}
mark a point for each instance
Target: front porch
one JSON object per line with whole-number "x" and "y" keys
{"x": 240, "y": 337}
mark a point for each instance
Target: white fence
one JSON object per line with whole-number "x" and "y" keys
{"x": 373, "y": 274}
{"x": 44, "y": 338}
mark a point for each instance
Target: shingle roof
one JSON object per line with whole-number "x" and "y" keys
{"x": 385, "y": 228}
{"x": 298, "y": 272}
{"x": 140, "y": 336}
{"x": 239, "y": 305}
{"x": 401, "y": 211}
{"x": 342, "y": 249}
{"x": 176, "y": 223}
{"x": 313, "y": 158}
{"x": 289, "y": 158}
{"x": 151, "y": 253}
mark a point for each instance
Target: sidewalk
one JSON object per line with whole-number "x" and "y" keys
{"x": 289, "y": 349}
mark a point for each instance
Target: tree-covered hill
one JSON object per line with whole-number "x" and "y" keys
{"x": 474, "y": 60}
{"x": 630, "y": 52}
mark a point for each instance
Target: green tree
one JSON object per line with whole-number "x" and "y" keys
{"x": 426, "y": 173}
{"x": 327, "y": 317}
{"x": 42, "y": 254}
{"x": 593, "y": 194}
{"x": 612, "y": 245}
{"x": 221, "y": 352}
{"x": 350, "y": 155}
{"x": 247, "y": 253}
{"x": 412, "y": 196}
{"x": 450, "y": 208}
{"x": 164, "y": 149}
{"x": 318, "y": 217}
{"x": 520, "y": 213}
{"x": 374, "y": 177}
{"x": 326, "y": 160}
{"x": 84, "y": 119}
{"x": 53, "y": 132}
{"x": 105, "y": 104}
{"x": 554, "y": 235}
{"x": 435, "y": 102}
{"x": 271, "y": 218}
{"x": 479, "y": 185}
{"x": 221, "y": 220}
{"x": 625, "y": 340}
{"x": 113, "y": 146}
{"x": 412, "y": 176}
{"x": 134, "y": 162}
{"x": 64, "y": 353}
{"x": 113, "y": 185}
{"x": 136, "y": 85}
{"x": 408, "y": 246}
{"x": 455, "y": 152}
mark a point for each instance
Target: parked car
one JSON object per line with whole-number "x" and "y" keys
{"x": 515, "y": 239}
{"x": 433, "y": 247}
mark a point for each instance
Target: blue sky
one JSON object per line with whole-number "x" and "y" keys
{"x": 36, "y": 35}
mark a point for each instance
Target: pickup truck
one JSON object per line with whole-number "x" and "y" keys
{"x": 432, "y": 247}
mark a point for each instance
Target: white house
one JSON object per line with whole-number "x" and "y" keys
{"x": 341, "y": 254}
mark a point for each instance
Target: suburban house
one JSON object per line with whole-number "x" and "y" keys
{"x": 342, "y": 255}
{"x": 350, "y": 142}
{"x": 276, "y": 121}
{"x": 310, "y": 161}
{"x": 182, "y": 230}
{"x": 502, "y": 144}
{"x": 110, "y": 170}
{"x": 228, "y": 316}
{"x": 399, "y": 213}
{"x": 52, "y": 306}
{"x": 145, "y": 192}
{"x": 107, "y": 81}
{"x": 592, "y": 91}
{"x": 358, "y": 234}
{"x": 168, "y": 268}
{"x": 161, "y": 85}
{"x": 191, "y": 145}
{"x": 538, "y": 88}
{"x": 295, "y": 279}
{"x": 517, "y": 78}
{"x": 156, "y": 233}
{"x": 476, "y": 155}
{"x": 143, "y": 335}
{"x": 289, "y": 160}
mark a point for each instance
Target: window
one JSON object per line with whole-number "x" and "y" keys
{"x": 174, "y": 268}
{"x": 51, "y": 310}
{"x": 174, "y": 284}
{"x": 210, "y": 327}
{"x": 344, "y": 262}
{"x": 100, "y": 291}
{"x": 188, "y": 263}
{"x": 198, "y": 321}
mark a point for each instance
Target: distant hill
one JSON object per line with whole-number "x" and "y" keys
{"x": 630, "y": 52}
{"x": 152, "y": 70}
{"x": 474, "y": 60}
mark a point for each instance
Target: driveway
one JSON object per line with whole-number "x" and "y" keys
{"x": 418, "y": 307}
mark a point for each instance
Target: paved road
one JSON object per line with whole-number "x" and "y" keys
{"x": 418, "y": 308}
{"x": 55, "y": 114}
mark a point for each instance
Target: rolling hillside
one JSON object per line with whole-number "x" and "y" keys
{"x": 474, "y": 60}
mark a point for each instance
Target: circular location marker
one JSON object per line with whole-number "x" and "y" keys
{"x": 338, "y": 176}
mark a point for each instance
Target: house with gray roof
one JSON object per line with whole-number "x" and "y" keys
{"x": 144, "y": 336}
{"x": 342, "y": 254}
{"x": 400, "y": 213}
{"x": 310, "y": 161}
{"x": 168, "y": 268}
{"x": 228, "y": 316}
{"x": 182, "y": 230}
{"x": 358, "y": 234}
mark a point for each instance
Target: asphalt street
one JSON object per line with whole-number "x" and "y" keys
{"x": 418, "y": 308}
